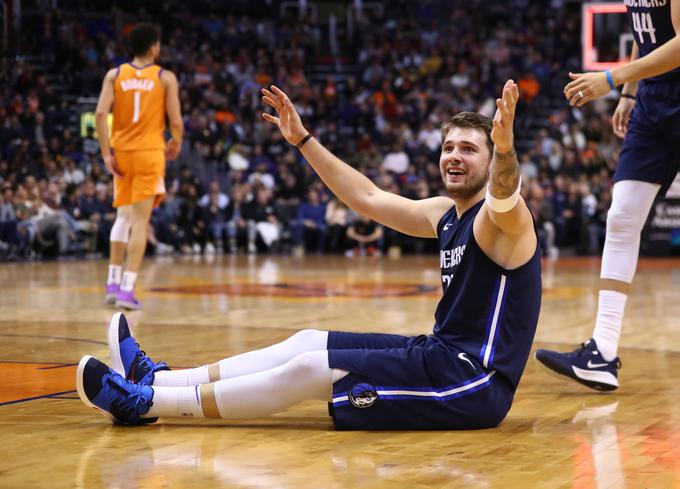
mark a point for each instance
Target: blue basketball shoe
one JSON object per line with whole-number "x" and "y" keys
{"x": 584, "y": 365}
{"x": 101, "y": 388}
{"x": 126, "y": 357}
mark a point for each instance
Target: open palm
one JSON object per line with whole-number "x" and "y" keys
{"x": 288, "y": 120}
{"x": 502, "y": 125}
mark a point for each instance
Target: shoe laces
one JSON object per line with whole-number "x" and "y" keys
{"x": 132, "y": 395}
{"x": 584, "y": 348}
{"x": 144, "y": 361}
{"x": 580, "y": 351}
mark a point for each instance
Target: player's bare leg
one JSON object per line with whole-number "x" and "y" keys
{"x": 120, "y": 234}
{"x": 141, "y": 213}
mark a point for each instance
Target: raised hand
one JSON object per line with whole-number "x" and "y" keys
{"x": 585, "y": 87}
{"x": 288, "y": 120}
{"x": 502, "y": 131}
{"x": 621, "y": 116}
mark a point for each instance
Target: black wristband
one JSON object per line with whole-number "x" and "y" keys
{"x": 304, "y": 140}
{"x": 627, "y": 95}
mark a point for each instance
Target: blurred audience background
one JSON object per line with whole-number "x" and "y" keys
{"x": 373, "y": 86}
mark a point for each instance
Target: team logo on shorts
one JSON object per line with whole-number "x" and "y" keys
{"x": 362, "y": 395}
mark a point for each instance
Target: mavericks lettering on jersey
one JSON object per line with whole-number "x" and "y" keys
{"x": 645, "y": 3}
{"x": 449, "y": 259}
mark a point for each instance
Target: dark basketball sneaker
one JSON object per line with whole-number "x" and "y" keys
{"x": 584, "y": 365}
{"x": 126, "y": 357}
{"x": 101, "y": 388}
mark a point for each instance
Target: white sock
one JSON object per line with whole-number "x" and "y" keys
{"x": 176, "y": 402}
{"x": 179, "y": 378}
{"x": 128, "y": 282}
{"x": 115, "y": 272}
{"x": 608, "y": 323}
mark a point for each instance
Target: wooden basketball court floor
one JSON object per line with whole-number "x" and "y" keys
{"x": 198, "y": 310}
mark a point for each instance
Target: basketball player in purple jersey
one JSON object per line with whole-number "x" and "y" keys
{"x": 648, "y": 119}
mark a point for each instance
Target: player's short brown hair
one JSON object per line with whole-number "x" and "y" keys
{"x": 142, "y": 37}
{"x": 472, "y": 120}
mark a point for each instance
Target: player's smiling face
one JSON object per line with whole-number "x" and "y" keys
{"x": 464, "y": 162}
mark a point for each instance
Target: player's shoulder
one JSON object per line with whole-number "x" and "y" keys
{"x": 112, "y": 74}
{"x": 439, "y": 205}
{"x": 167, "y": 76}
{"x": 435, "y": 209}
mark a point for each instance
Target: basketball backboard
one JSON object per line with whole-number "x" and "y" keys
{"x": 605, "y": 36}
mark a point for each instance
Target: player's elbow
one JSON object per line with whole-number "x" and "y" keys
{"x": 365, "y": 202}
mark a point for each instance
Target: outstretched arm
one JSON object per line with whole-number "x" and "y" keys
{"x": 414, "y": 217}
{"x": 504, "y": 173}
{"x": 585, "y": 87}
{"x": 504, "y": 227}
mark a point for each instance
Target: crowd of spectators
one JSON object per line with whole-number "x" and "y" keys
{"x": 237, "y": 185}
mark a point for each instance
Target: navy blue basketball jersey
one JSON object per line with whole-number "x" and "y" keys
{"x": 487, "y": 311}
{"x": 652, "y": 26}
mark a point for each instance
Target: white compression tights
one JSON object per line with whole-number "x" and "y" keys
{"x": 631, "y": 202}
{"x": 247, "y": 363}
{"x": 305, "y": 377}
{"x": 261, "y": 388}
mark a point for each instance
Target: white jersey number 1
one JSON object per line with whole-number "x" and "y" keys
{"x": 135, "y": 114}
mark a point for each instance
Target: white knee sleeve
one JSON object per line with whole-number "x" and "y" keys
{"x": 120, "y": 231}
{"x": 631, "y": 202}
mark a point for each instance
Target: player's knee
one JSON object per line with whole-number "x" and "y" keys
{"x": 308, "y": 337}
{"x": 624, "y": 221}
{"x": 304, "y": 366}
{"x": 120, "y": 230}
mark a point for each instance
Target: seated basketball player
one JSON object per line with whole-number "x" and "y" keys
{"x": 463, "y": 375}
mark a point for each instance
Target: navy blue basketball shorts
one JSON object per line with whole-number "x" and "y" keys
{"x": 412, "y": 383}
{"x": 651, "y": 148}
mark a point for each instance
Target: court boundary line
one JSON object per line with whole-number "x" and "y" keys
{"x": 34, "y": 398}
{"x": 64, "y": 338}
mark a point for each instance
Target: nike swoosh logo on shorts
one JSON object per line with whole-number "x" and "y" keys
{"x": 463, "y": 356}
{"x": 596, "y": 365}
